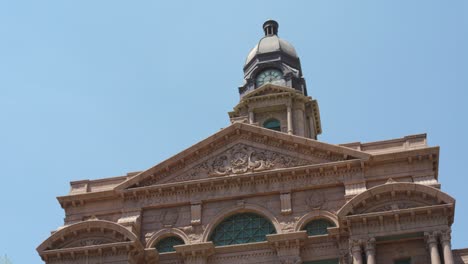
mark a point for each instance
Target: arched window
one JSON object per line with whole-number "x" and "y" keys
{"x": 273, "y": 124}
{"x": 242, "y": 228}
{"x": 318, "y": 227}
{"x": 167, "y": 244}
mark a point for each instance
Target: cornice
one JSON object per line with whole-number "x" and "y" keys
{"x": 329, "y": 173}
{"x": 89, "y": 250}
{"x": 446, "y": 208}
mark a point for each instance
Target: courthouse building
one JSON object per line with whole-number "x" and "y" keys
{"x": 265, "y": 190}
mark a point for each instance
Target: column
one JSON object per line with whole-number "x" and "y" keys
{"x": 251, "y": 117}
{"x": 445, "y": 239}
{"x": 356, "y": 252}
{"x": 312, "y": 126}
{"x": 431, "y": 240}
{"x": 290, "y": 128}
{"x": 370, "y": 251}
{"x": 299, "y": 122}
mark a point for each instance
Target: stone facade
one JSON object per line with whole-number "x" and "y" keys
{"x": 380, "y": 202}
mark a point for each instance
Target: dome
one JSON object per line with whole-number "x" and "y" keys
{"x": 271, "y": 43}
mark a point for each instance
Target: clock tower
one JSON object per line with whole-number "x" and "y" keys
{"x": 274, "y": 93}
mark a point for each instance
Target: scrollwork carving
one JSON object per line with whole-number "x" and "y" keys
{"x": 241, "y": 159}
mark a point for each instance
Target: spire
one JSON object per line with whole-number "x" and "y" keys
{"x": 270, "y": 27}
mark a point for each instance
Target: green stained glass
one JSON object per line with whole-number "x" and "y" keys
{"x": 325, "y": 261}
{"x": 318, "y": 227}
{"x": 242, "y": 228}
{"x": 167, "y": 244}
{"x": 273, "y": 124}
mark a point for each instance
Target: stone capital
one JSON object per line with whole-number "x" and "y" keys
{"x": 293, "y": 239}
{"x": 446, "y": 236}
{"x": 431, "y": 237}
{"x": 370, "y": 244}
{"x": 355, "y": 245}
{"x": 195, "y": 253}
{"x": 288, "y": 246}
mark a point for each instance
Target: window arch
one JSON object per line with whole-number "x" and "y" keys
{"x": 318, "y": 227}
{"x": 273, "y": 124}
{"x": 167, "y": 244}
{"x": 242, "y": 228}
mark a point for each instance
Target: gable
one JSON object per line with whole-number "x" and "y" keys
{"x": 241, "y": 149}
{"x": 268, "y": 89}
{"x": 394, "y": 196}
{"x": 238, "y": 157}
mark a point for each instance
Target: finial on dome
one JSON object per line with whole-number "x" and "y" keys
{"x": 270, "y": 27}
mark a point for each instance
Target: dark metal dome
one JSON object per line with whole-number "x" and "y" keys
{"x": 271, "y": 43}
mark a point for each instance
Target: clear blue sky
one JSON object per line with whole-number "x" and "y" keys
{"x": 92, "y": 89}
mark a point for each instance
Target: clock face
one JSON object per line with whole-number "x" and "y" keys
{"x": 268, "y": 76}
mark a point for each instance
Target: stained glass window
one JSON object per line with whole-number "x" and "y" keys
{"x": 242, "y": 228}
{"x": 273, "y": 124}
{"x": 325, "y": 261}
{"x": 167, "y": 244}
{"x": 318, "y": 227}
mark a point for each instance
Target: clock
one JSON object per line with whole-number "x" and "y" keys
{"x": 268, "y": 76}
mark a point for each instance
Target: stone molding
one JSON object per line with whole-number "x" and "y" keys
{"x": 392, "y": 188}
{"x": 319, "y": 214}
{"x": 99, "y": 237}
{"x": 166, "y": 232}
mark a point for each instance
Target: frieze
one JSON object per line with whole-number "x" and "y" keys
{"x": 230, "y": 188}
{"x": 257, "y": 256}
{"x": 403, "y": 223}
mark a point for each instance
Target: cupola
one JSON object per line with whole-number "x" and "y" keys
{"x": 274, "y": 94}
{"x": 276, "y": 58}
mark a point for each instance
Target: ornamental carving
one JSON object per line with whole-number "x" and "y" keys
{"x": 169, "y": 217}
{"x": 88, "y": 241}
{"x": 240, "y": 159}
{"x": 394, "y": 205}
{"x": 316, "y": 200}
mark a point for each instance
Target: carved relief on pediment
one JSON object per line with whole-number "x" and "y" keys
{"x": 90, "y": 241}
{"x": 391, "y": 206}
{"x": 242, "y": 158}
{"x": 238, "y": 159}
{"x": 83, "y": 240}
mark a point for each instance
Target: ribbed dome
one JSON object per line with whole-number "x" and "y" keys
{"x": 271, "y": 44}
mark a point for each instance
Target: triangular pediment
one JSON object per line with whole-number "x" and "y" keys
{"x": 241, "y": 149}
{"x": 269, "y": 89}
